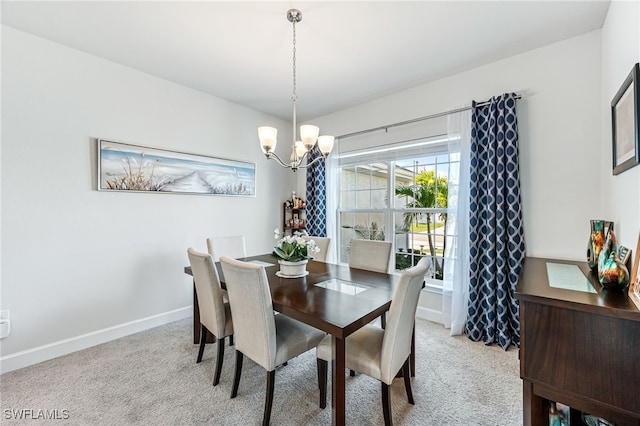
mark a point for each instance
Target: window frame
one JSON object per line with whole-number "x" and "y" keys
{"x": 390, "y": 210}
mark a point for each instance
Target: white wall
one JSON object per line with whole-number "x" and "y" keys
{"x": 81, "y": 266}
{"x": 620, "y": 51}
{"x": 559, "y": 132}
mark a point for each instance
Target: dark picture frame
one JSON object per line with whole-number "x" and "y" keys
{"x": 624, "y": 123}
{"x": 136, "y": 168}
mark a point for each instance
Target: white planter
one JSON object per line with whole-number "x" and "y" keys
{"x": 293, "y": 269}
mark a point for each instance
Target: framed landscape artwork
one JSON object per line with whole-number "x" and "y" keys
{"x": 624, "y": 123}
{"x": 126, "y": 167}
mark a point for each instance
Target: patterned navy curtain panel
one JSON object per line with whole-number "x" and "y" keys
{"x": 496, "y": 236}
{"x": 316, "y": 196}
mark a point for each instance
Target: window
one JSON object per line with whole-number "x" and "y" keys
{"x": 399, "y": 194}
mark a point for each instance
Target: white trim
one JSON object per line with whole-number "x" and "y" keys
{"x": 429, "y": 314}
{"x": 63, "y": 347}
{"x": 432, "y": 286}
{"x": 392, "y": 147}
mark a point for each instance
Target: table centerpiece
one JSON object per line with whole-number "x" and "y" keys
{"x": 293, "y": 253}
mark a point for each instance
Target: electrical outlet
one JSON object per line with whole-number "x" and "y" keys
{"x": 5, "y": 324}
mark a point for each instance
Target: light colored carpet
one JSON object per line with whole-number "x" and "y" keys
{"x": 151, "y": 378}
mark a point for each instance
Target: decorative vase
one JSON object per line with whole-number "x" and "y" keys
{"x": 293, "y": 269}
{"x": 599, "y": 231}
{"x": 612, "y": 273}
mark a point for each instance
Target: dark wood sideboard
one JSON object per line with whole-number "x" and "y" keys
{"x": 577, "y": 348}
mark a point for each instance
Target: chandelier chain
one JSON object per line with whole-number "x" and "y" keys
{"x": 294, "y": 62}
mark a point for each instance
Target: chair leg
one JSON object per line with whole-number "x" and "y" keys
{"x": 216, "y": 378}
{"x": 268, "y": 400}
{"x": 231, "y": 340}
{"x": 322, "y": 382}
{"x": 204, "y": 333}
{"x": 406, "y": 374}
{"x": 319, "y": 372}
{"x": 386, "y": 404}
{"x": 352, "y": 373}
{"x": 383, "y": 320}
{"x": 236, "y": 378}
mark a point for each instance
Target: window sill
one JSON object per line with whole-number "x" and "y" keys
{"x": 433, "y": 286}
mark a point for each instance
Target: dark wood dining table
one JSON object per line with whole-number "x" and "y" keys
{"x": 335, "y": 312}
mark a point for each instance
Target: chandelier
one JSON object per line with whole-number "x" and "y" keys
{"x": 308, "y": 134}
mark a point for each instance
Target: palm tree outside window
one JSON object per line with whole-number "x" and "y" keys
{"x": 403, "y": 200}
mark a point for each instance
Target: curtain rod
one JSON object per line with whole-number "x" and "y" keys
{"x": 415, "y": 120}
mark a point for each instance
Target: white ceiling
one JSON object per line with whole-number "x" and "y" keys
{"x": 347, "y": 52}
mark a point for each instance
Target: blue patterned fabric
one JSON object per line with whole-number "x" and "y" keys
{"x": 496, "y": 236}
{"x": 316, "y": 196}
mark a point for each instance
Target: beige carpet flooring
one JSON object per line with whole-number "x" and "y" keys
{"x": 151, "y": 378}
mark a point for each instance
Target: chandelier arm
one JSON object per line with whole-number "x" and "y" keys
{"x": 274, "y": 156}
{"x": 322, "y": 157}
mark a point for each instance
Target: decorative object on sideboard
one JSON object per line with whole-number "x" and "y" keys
{"x": 625, "y": 123}
{"x": 634, "y": 285}
{"x": 590, "y": 420}
{"x": 612, "y": 273}
{"x": 136, "y": 168}
{"x": 624, "y": 254}
{"x": 308, "y": 134}
{"x": 599, "y": 230}
{"x": 554, "y": 416}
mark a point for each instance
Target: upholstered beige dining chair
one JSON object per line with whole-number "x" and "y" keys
{"x": 380, "y": 353}
{"x": 370, "y": 255}
{"x": 323, "y": 244}
{"x": 215, "y": 315}
{"x": 268, "y": 339}
{"x": 232, "y": 246}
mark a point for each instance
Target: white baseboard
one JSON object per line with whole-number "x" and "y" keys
{"x": 429, "y": 315}
{"x": 63, "y": 347}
